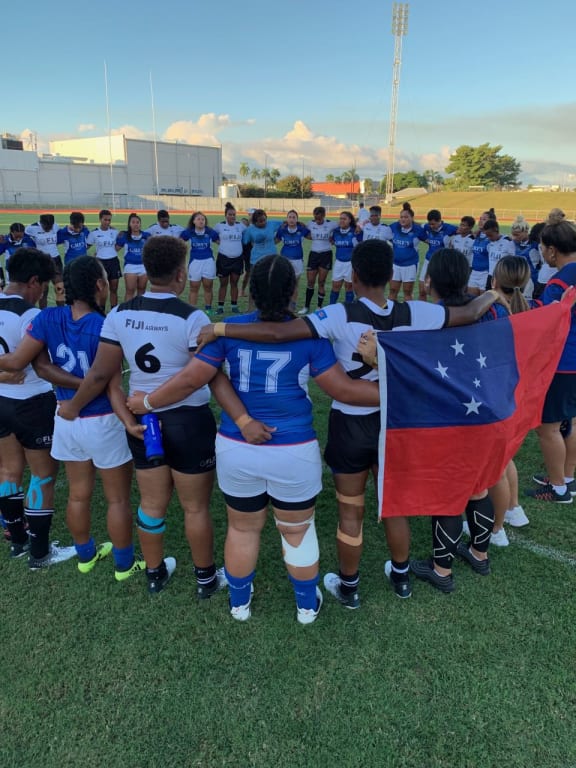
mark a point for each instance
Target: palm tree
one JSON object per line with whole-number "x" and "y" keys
{"x": 329, "y": 177}
{"x": 274, "y": 176}
{"x": 244, "y": 170}
{"x": 255, "y": 173}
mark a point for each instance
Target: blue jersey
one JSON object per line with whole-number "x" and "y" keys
{"x": 271, "y": 381}
{"x": 480, "y": 253}
{"x": 200, "y": 243}
{"x": 262, "y": 239}
{"x": 526, "y": 251}
{"x": 555, "y": 287}
{"x": 72, "y": 346}
{"x": 9, "y": 246}
{"x": 74, "y": 243}
{"x": 292, "y": 241}
{"x": 439, "y": 238}
{"x": 132, "y": 247}
{"x": 405, "y": 244}
{"x": 345, "y": 240}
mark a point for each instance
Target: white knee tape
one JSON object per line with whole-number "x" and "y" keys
{"x": 307, "y": 552}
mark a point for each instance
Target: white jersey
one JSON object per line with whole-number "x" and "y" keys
{"x": 230, "y": 236}
{"x": 320, "y": 235}
{"x": 105, "y": 241}
{"x": 363, "y": 217}
{"x": 343, "y": 324}
{"x": 497, "y": 249}
{"x": 172, "y": 230}
{"x": 45, "y": 241}
{"x": 376, "y": 232}
{"x": 15, "y": 317}
{"x": 546, "y": 273}
{"x": 157, "y": 332}
{"x": 464, "y": 244}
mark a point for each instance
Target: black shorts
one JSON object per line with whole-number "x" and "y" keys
{"x": 352, "y": 442}
{"x": 226, "y": 266}
{"x": 112, "y": 268}
{"x": 58, "y": 269}
{"x": 188, "y": 437}
{"x": 31, "y": 421}
{"x": 560, "y": 402}
{"x": 319, "y": 260}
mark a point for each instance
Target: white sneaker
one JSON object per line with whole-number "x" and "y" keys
{"x": 309, "y": 615}
{"x": 56, "y": 554}
{"x": 466, "y": 528}
{"x": 243, "y": 612}
{"x": 304, "y": 311}
{"x": 499, "y": 539}
{"x": 332, "y": 585}
{"x": 516, "y": 517}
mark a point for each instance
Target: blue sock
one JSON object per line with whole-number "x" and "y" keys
{"x": 3, "y": 522}
{"x": 349, "y": 297}
{"x": 239, "y": 588}
{"x": 123, "y": 558}
{"x": 305, "y": 592}
{"x": 86, "y": 551}
{"x": 334, "y": 296}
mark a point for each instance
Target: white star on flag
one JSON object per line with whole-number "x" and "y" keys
{"x": 481, "y": 360}
{"x": 472, "y": 407}
{"x": 458, "y": 348}
{"x": 442, "y": 370}
{"x": 476, "y": 383}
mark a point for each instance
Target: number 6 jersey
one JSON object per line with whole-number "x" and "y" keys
{"x": 157, "y": 332}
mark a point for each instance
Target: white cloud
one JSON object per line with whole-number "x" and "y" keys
{"x": 83, "y": 127}
{"x": 131, "y": 132}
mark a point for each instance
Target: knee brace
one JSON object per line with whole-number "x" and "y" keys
{"x": 307, "y": 552}
{"x": 352, "y": 541}
{"x": 35, "y": 495}
{"x": 150, "y": 524}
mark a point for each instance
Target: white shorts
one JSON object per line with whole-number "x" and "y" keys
{"x": 404, "y": 274}
{"x": 134, "y": 269}
{"x": 342, "y": 270}
{"x": 285, "y": 472}
{"x": 99, "y": 439}
{"x": 199, "y": 269}
{"x": 298, "y": 265}
{"x": 424, "y": 270}
{"x": 478, "y": 279}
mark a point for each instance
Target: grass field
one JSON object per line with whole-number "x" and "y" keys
{"x": 96, "y": 673}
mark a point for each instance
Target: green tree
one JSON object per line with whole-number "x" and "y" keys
{"x": 350, "y": 175}
{"x": 482, "y": 166}
{"x": 244, "y": 170}
{"x": 274, "y": 175}
{"x": 369, "y": 186}
{"x": 255, "y": 174}
{"x": 329, "y": 177}
{"x": 290, "y": 185}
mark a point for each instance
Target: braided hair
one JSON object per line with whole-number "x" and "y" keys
{"x": 272, "y": 283}
{"x": 80, "y": 278}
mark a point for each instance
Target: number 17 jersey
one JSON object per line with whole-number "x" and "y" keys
{"x": 157, "y": 332}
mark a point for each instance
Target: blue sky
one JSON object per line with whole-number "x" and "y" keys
{"x": 301, "y": 84}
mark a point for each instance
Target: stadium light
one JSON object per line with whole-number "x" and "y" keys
{"x": 399, "y": 30}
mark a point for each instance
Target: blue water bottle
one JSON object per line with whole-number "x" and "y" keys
{"x": 153, "y": 439}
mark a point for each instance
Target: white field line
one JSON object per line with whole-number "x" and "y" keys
{"x": 540, "y": 549}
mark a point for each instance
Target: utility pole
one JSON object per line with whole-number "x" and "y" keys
{"x": 399, "y": 30}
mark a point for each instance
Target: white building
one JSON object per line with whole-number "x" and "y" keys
{"x": 112, "y": 172}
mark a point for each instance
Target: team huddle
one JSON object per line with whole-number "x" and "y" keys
{"x": 265, "y": 450}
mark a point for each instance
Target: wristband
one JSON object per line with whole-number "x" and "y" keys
{"x": 219, "y": 329}
{"x": 243, "y": 420}
{"x": 146, "y": 403}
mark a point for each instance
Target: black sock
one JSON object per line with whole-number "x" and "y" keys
{"x": 155, "y": 574}
{"x": 349, "y": 584}
{"x": 12, "y": 509}
{"x": 321, "y": 297}
{"x": 400, "y": 570}
{"x": 480, "y": 516}
{"x": 39, "y": 522}
{"x": 205, "y": 576}
{"x": 446, "y": 533}
{"x": 309, "y": 294}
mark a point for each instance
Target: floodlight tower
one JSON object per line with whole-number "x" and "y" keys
{"x": 399, "y": 30}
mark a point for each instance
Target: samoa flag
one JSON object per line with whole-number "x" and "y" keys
{"x": 457, "y": 403}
